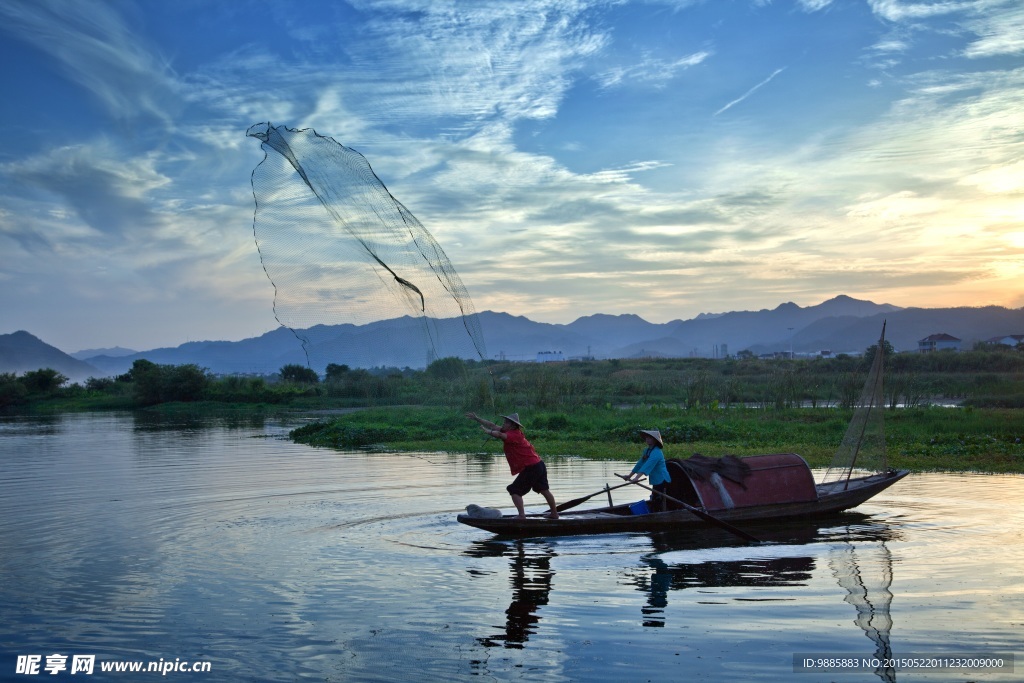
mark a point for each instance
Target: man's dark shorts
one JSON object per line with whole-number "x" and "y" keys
{"x": 534, "y": 477}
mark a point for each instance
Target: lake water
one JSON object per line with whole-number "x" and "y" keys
{"x": 139, "y": 538}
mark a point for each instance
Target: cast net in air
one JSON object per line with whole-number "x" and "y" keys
{"x": 356, "y": 276}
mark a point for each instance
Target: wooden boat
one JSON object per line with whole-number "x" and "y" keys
{"x": 740, "y": 491}
{"x": 771, "y": 494}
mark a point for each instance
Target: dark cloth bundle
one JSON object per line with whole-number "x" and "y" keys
{"x": 701, "y": 467}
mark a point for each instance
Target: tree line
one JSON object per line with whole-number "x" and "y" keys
{"x": 147, "y": 384}
{"x": 984, "y": 376}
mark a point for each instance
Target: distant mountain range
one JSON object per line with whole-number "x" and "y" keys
{"x": 92, "y": 353}
{"x": 839, "y": 325}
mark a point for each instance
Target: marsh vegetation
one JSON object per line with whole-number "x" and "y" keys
{"x": 959, "y": 411}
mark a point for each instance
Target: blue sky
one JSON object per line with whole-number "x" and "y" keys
{"x": 572, "y": 157}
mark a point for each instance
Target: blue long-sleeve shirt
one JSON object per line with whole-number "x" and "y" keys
{"x": 652, "y": 463}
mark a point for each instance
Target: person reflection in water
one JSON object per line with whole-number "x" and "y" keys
{"x": 657, "y": 596}
{"x": 531, "y": 585}
{"x": 523, "y": 461}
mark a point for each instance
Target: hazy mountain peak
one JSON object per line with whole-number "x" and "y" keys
{"x": 22, "y": 352}
{"x": 847, "y": 305}
{"x": 113, "y": 352}
{"x": 623, "y": 317}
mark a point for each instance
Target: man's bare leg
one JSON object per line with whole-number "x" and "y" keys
{"x": 518, "y": 501}
{"x": 550, "y": 498}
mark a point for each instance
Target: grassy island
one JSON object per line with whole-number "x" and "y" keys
{"x": 919, "y": 439}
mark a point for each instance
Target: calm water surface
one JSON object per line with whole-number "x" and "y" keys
{"x": 142, "y": 538}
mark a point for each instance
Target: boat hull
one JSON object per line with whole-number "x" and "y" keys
{"x": 832, "y": 498}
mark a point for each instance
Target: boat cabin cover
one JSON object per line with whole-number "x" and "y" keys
{"x": 730, "y": 482}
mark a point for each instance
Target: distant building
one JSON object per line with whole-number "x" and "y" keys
{"x": 938, "y": 342}
{"x": 549, "y": 356}
{"x": 1007, "y": 340}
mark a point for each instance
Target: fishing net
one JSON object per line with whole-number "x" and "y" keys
{"x": 863, "y": 447}
{"x": 356, "y": 276}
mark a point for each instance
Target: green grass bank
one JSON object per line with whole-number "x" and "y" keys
{"x": 919, "y": 439}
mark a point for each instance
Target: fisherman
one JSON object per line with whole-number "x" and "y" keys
{"x": 523, "y": 461}
{"x": 652, "y": 463}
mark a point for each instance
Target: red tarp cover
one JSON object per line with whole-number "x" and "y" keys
{"x": 776, "y": 478}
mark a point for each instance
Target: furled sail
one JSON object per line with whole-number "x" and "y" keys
{"x": 863, "y": 446}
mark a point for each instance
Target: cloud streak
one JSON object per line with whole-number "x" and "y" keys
{"x": 96, "y": 49}
{"x": 750, "y": 92}
{"x": 650, "y": 71}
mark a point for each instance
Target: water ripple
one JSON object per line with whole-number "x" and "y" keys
{"x": 142, "y": 537}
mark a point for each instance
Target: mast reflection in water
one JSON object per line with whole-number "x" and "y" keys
{"x": 868, "y": 583}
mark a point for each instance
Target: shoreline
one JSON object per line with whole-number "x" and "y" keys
{"x": 920, "y": 440}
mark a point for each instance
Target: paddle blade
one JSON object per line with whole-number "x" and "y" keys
{"x": 574, "y": 502}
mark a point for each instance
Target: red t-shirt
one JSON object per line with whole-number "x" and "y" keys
{"x": 518, "y": 451}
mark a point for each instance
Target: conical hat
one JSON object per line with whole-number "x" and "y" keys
{"x": 514, "y": 417}
{"x": 656, "y": 434}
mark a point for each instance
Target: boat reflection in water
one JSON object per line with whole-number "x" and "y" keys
{"x": 854, "y": 548}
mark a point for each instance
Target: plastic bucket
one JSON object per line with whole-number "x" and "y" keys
{"x": 639, "y": 507}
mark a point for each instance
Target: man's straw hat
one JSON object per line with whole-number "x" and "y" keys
{"x": 514, "y": 417}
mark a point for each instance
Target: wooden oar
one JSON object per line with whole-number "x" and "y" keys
{"x": 576, "y": 501}
{"x": 697, "y": 511}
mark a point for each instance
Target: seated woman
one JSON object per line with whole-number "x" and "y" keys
{"x": 652, "y": 464}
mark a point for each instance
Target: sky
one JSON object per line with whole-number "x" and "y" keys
{"x": 664, "y": 158}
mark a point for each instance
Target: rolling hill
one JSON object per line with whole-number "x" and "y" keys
{"x": 839, "y": 325}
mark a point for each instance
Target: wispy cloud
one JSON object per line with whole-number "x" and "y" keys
{"x": 997, "y": 26}
{"x": 480, "y": 60}
{"x": 107, "y": 193}
{"x": 891, "y": 44}
{"x": 750, "y": 92}
{"x": 98, "y": 50}
{"x": 650, "y": 71}
{"x": 814, "y": 5}
{"x": 999, "y": 33}
{"x": 897, "y": 10}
